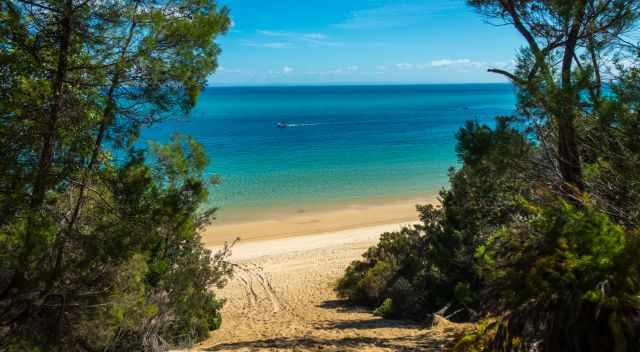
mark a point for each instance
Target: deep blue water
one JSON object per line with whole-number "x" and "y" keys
{"x": 345, "y": 144}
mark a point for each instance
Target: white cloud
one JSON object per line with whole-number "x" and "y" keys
{"x": 465, "y": 65}
{"x": 310, "y": 38}
{"x": 316, "y": 36}
{"x": 348, "y": 70}
{"x": 504, "y": 64}
{"x": 284, "y": 71}
{"x": 448, "y": 62}
{"x": 229, "y": 70}
{"x": 409, "y": 66}
{"x": 274, "y": 33}
{"x": 315, "y": 42}
{"x": 459, "y": 65}
{"x": 271, "y": 45}
{"x": 395, "y": 15}
{"x": 405, "y": 66}
{"x": 469, "y": 64}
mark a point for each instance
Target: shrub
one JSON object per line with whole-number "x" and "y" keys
{"x": 370, "y": 281}
{"x": 433, "y": 265}
{"x": 385, "y": 310}
{"x": 567, "y": 279}
{"x": 478, "y": 339}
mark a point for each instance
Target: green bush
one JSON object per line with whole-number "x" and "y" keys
{"x": 433, "y": 265}
{"x": 371, "y": 281}
{"x": 478, "y": 339}
{"x": 567, "y": 279}
{"x": 386, "y": 309}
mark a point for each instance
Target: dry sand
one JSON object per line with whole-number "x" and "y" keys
{"x": 281, "y": 298}
{"x": 314, "y": 222}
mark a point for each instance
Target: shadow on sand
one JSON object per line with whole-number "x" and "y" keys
{"x": 375, "y": 323}
{"x": 411, "y": 343}
{"x": 342, "y": 306}
{"x": 429, "y": 341}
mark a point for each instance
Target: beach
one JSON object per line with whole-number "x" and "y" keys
{"x": 307, "y": 200}
{"x": 284, "y": 225}
{"x": 281, "y": 296}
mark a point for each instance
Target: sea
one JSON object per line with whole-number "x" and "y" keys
{"x": 342, "y": 145}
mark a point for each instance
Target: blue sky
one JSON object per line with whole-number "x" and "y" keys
{"x": 360, "y": 41}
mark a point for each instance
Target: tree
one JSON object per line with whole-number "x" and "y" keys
{"x": 546, "y": 268}
{"x": 79, "y": 80}
{"x": 567, "y": 45}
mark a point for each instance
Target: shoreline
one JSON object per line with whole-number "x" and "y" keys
{"x": 351, "y": 217}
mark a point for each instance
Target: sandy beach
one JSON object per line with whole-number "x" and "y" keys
{"x": 281, "y": 297}
{"x": 353, "y": 216}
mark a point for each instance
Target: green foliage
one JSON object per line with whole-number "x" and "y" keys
{"x": 478, "y": 339}
{"x": 140, "y": 237}
{"x": 385, "y": 310}
{"x": 99, "y": 245}
{"x": 563, "y": 277}
{"x": 433, "y": 265}
{"x": 381, "y": 274}
{"x": 545, "y": 268}
{"x": 612, "y": 150}
{"x": 539, "y": 233}
{"x": 568, "y": 279}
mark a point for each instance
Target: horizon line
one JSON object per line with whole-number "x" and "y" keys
{"x": 347, "y": 84}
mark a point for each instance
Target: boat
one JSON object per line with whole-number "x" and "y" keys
{"x": 281, "y": 125}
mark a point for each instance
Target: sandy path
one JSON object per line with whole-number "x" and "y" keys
{"x": 281, "y": 299}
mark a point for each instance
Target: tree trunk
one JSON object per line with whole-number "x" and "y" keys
{"x": 49, "y": 134}
{"x": 42, "y": 173}
{"x": 568, "y": 155}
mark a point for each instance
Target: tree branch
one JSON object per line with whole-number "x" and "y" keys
{"x": 508, "y": 74}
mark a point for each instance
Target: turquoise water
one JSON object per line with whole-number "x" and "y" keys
{"x": 344, "y": 144}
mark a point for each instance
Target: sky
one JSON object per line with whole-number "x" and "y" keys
{"x": 276, "y": 42}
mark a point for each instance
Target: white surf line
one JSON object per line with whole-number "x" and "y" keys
{"x": 255, "y": 249}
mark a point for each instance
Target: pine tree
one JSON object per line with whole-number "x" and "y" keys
{"x": 85, "y": 221}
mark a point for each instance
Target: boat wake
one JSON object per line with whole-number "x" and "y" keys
{"x": 302, "y": 124}
{"x": 293, "y": 125}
